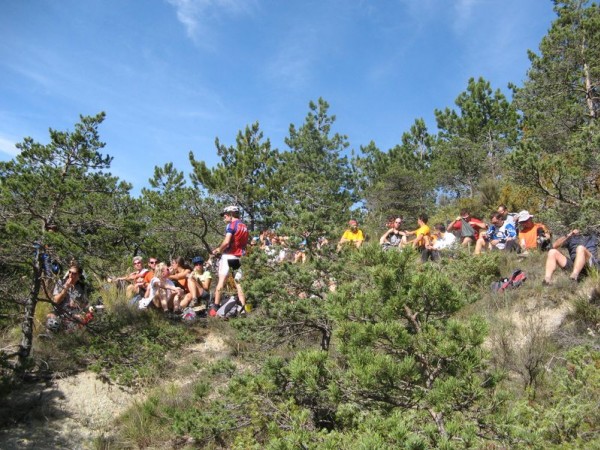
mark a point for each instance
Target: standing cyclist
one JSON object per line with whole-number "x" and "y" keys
{"x": 231, "y": 249}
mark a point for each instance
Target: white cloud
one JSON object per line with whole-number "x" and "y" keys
{"x": 291, "y": 66}
{"x": 464, "y": 12}
{"x": 197, "y": 15}
{"x": 34, "y": 75}
{"x": 8, "y": 146}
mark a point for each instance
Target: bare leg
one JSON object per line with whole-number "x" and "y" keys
{"x": 467, "y": 242}
{"x": 186, "y": 300}
{"x": 240, "y": 292}
{"x": 131, "y": 291}
{"x": 176, "y": 303}
{"x": 196, "y": 289}
{"x": 164, "y": 302}
{"x": 583, "y": 255}
{"x": 219, "y": 288}
{"x": 479, "y": 246}
{"x": 554, "y": 258}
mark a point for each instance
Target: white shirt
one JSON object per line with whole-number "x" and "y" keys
{"x": 445, "y": 241}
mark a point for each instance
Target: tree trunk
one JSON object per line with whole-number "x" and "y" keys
{"x": 589, "y": 92}
{"x": 29, "y": 312}
{"x": 325, "y": 338}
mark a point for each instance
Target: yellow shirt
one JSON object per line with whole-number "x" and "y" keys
{"x": 353, "y": 237}
{"x": 424, "y": 231}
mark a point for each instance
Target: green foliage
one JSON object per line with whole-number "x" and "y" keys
{"x": 291, "y": 300}
{"x": 56, "y": 199}
{"x": 473, "y": 143}
{"x": 473, "y": 273}
{"x": 399, "y": 181}
{"x": 317, "y": 187}
{"x": 397, "y": 357}
{"x": 558, "y": 155}
{"x": 568, "y": 417}
{"x": 126, "y": 346}
{"x": 361, "y": 349}
{"x": 244, "y": 177}
{"x": 179, "y": 221}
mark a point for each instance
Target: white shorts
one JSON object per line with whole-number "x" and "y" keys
{"x": 224, "y": 264}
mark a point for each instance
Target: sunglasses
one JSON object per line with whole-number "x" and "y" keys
{"x": 151, "y": 262}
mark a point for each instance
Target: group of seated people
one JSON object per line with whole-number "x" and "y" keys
{"x": 281, "y": 249}
{"x": 505, "y": 232}
{"x": 170, "y": 288}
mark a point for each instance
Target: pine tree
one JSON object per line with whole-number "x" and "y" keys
{"x": 180, "y": 220}
{"x": 473, "y": 142}
{"x": 244, "y": 177}
{"x": 558, "y": 156}
{"x": 399, "y": 181}
{"x": 57, "y": 200}
{"x": 317, "y": 187}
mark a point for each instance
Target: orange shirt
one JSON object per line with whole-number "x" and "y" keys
{"x": 530, "y": 235}
{"x": 149, "y": 275}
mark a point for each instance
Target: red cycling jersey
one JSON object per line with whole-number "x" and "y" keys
{"x": 239, "y": 238}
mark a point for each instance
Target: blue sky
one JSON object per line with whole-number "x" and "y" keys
{"x": 172, "y": 75}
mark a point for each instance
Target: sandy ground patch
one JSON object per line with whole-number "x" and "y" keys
{"x": 64, "y": 413}
{"x": 71, "y": 412}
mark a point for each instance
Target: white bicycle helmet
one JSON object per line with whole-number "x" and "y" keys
{"x": 231, "y": 209}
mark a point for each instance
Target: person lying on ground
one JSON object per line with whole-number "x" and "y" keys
{"x": 583, "y": 255}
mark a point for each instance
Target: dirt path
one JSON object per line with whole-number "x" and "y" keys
{"x": 64, "y": 413}
{"x": 70, "y": 412}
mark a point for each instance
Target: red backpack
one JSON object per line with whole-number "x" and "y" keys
{"x": 516, "y": 280}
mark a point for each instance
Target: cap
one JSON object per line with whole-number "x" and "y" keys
{"x": 197, "y": 260}
{"x": 524, "y": 216}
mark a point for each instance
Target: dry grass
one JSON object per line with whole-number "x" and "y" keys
{"x": 530, "y": 324}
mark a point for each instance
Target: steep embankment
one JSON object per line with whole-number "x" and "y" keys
{"x": 70, "y": 412}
